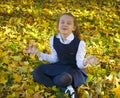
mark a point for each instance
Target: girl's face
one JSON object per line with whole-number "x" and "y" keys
{"x": 66, "y": 25}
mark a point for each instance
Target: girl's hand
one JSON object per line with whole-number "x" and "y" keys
{"x": 32, "y": 49}
{"x": 91, "y": 60}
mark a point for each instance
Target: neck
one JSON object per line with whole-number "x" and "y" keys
{"x": 64, "y": 36}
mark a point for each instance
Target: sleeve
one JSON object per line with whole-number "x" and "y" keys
{"x": 80, "y": 55}
{"x": 52, "y": 58}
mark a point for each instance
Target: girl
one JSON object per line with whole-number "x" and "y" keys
{"x": 67, "y": 62}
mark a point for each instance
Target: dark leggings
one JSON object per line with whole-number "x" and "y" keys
{"x": 61, "y": 80}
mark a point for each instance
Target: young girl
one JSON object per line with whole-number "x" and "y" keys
{"x": 67, "y": 62}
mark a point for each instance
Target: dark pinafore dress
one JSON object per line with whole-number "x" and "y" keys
{"x": 67, "y": 62}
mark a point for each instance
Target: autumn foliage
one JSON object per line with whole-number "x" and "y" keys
{"x": 34, "y": 21}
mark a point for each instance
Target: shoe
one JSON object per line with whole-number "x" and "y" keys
{"x": 70, "y": 91}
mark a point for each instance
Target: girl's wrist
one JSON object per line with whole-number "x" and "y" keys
{"x": 38, "y": 54}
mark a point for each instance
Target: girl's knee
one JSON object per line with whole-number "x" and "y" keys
{"x": 63, "y": 79}
{"x": 66, "y": 79}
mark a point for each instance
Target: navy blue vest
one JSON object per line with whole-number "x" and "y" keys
{"x": 67, "y": 52}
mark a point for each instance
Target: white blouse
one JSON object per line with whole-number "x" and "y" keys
{"x": 52, "y": 58}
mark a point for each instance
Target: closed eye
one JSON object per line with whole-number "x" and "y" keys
{"x": 62, "y": 22}
{"x": 69, "y": 23}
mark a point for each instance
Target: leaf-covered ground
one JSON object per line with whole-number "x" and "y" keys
{"x": 34, "y": 21}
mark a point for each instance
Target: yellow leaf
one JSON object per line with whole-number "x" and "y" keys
{"x": 85, "y": 94}
{"x": 8, "y": 11}
{"x": 17, "y": 78}
{"x": 17, "y": 58}
{"x": 15, "y": 86}
{"x": 27, "y": 94}
{"x": 24, "y": 40}
{"x": 29, "y": 11}
{"x": 26, "y": 63}
{"x": 54, "y": 88}
{"x": 6, "y": 60}
{"x": 36, "y": 87}
{"x": 32, "y": 56}
{"x": 30, "y": 91}
{"x": 117, "y": 40}
{"x": 3, "y": 77}
{"x": 116, "y": 91}
{"x": 37, "y": 95}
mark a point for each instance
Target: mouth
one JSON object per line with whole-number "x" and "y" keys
{"x": 64, "y": 28}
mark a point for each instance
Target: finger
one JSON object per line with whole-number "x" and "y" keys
{"x": 34, "y": 51}
{"x": 90, "y": 57}
{"x": 96, "y": 61}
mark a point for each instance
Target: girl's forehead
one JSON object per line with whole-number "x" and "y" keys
{"x": 66, "y": 17}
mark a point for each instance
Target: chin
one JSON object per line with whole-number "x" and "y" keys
{"x": 64, "y": 33}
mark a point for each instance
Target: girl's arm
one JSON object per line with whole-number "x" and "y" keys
{"x": 80, "y": 55}
{"x": 84, "y": 62}
{"x": 52, "y": 58}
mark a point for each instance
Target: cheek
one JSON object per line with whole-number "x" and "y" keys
{"x": 59, "y": 26}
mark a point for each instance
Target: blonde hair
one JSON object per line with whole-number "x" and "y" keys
{"x": 76, "y": 32}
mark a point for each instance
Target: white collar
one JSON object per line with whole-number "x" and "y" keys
{"x": 67, "y": 40}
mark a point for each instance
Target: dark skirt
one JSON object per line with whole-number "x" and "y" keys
{"x": 79, "y": 75}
